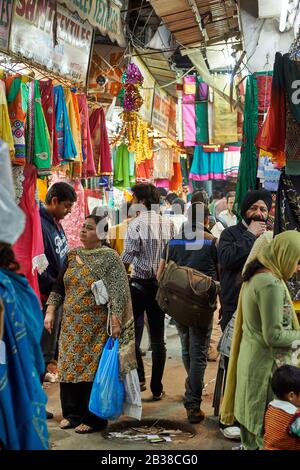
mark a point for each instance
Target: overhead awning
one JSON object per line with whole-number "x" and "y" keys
{"x": 102, "y": 14}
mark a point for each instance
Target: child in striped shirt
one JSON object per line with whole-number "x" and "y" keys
{"x": 282, "y": 419}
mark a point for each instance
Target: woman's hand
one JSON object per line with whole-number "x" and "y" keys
{"x": 115, "y": 326}
{"x": 49, "y": 319}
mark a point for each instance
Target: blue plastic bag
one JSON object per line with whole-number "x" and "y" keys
{"x": 108, "y": 392}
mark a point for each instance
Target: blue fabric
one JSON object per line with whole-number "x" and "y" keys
{"x": 22, "y": 399}
{"x": 66, "y": 146}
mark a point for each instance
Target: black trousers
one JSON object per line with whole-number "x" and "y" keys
{"x": 75, "y": 399}
{"x": 143, "y": 299}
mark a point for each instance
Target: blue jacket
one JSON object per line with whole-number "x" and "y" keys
{"x": 56, "y": 248}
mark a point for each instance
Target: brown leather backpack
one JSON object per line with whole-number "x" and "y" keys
{"x": 187, "y": 295}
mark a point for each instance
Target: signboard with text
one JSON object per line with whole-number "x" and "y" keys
{"x": 37, "y": 25}
{"x": 5, "y": 18}
{"x": 172, "y": 119}
{"x": 161, "y": 109}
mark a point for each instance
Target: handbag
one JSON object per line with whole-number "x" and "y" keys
{"x": 187, "y": 295}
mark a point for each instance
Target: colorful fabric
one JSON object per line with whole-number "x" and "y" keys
{"x": 176, "y": 181}
{"x": 72, "y": 223}
{"x": 264, "y": 87}
{"x": 47, "y": 96}
{"x": 207, "y": 165}
{"x": 66, "y": 145}
{"x": 84, "y": 324}
{"x": 5, "y": 127}
{"x": 232, "y": 157}
{"x": 39, "y": 135}
{"x": 225, "y": 119}
{"x": 122, "y": 178}
{"x": 277, "y": 422}
{"x": 184, "y": 171}
{"x": 188, "y": 111}
{"x": 101, "y": 149}
{"x": 17, "y": 108}
{"x": 88, "y": 164}
{"x": 74, "y": 118}
{"x": 201, "y": 109}
{"x": 248, "y": 163}
{"x": 29, "y": 248}
{"x": 22, "y": 399}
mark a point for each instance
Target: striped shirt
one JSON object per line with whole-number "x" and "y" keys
{"x": 146, "y": 238}
{"x": 278, "y": 419}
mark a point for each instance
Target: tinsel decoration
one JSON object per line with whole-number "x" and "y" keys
{"x": 133, "y": 75}
{"x": 132, "y": 98}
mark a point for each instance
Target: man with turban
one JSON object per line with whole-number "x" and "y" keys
{"x": 235, "y": 245}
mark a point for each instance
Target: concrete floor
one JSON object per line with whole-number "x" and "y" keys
{"x": 208, "y": 436}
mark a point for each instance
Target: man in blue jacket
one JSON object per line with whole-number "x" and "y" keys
{"x": 58, "y": 203}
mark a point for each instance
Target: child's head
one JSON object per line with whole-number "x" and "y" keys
{"x": 286, "y": 384}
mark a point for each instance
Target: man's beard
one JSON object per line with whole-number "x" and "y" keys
{"x": 256, "y": 218}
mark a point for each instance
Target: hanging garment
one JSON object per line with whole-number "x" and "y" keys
{"x": 29, "y": 248}
{"x": 188, "y": 111}
{"x": 207, "y": 165}
{"x": 176, "y": 181}
{"x": 77, "y": 165}
{"x": 23, "y": 402}
{"x": 17, "y": 95}
{"x": 122, "y": 177}
{"x": 201, "y": 110}
{"x": 47, "y": 96}
{"x": 5, "y": 127}
{"x": 72, "y": 223}
{"x": 74, "y": 119}
{"x": 144, "y": 171}
{"x": 42, "y": 189}
{"x": 101, "y": 149}
{"x": 232, "y": 156}
{"x": 66, "y": 145}
{"x": 264, "y": 87}
{"x": 184, "y": 170}
{"x": 287, "y": 204}
{"x": 248, "y": 162}
{"x": 224, "y": 119}
{"x": 163, "y": 162}
{"x": 38, "y": 140}
{"x": 88, "y": 164}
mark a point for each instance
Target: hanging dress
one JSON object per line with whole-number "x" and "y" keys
{"x": 5, "y": 127}
{"x": 16, "y": 95}
{"x": 66, "y": 145}
{"x": 74, "y": 118}
{"x": 88, "y": 166}
{"x": 101, "y": 149}
{"x": 47, "y": 96}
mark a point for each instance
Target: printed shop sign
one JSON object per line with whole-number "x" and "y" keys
{"x": 5, "y": 18}
{"x": 102, "y": 14}
{"x": 161, "y": 109}
{"x": 50, "y": 35}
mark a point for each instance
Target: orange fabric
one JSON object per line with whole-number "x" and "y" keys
{"x": 276, "y": 435}
{"x": 17, "y": 120}
{"x": 176, "y": 181}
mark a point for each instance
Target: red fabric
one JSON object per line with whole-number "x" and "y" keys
{"x": 144, "y": 170}
{"x": 96, "y": 193}
{"x": 88, "y": 164}
{"x": 264, "y": 87}
{"x": 101, "y": 149}
{"x": 30, "y": 244}
{"x": 46, "y": 89}
{"x": 176, "y": 181}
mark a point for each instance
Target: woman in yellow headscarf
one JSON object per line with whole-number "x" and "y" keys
{"x": 265, "y": 327}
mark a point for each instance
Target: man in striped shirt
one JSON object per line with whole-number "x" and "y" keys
{"x": 146, "y": 238}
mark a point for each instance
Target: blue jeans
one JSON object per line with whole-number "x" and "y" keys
{"x": 194, "y": 344}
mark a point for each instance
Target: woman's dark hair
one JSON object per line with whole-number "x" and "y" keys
{"x": 63, "y": 192}
{"x": 286, "y": 379}
{"x": 193, "y": 213}
{"x": 200, "y": 195}
{"x": 171, "y": 198}
{"x": 147, "y": 193}
{"x": 7, "y": 258}
{"x": 98, "y": 214}
{"x": 251, "y": 269}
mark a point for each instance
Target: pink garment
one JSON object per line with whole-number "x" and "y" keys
{"x": 47, "y": 97}
{"x": 72, "y": 223}
{"x": 29, "y": 249}
{"x": 162, "y": 183}
{"x": 88, "y": 164}
{"x": 188, "y": 111}
{"x": 101, "y": 149}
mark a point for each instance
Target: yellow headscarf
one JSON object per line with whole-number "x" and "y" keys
{"x": 280, "y": 256}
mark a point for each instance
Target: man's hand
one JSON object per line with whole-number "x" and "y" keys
{"x": 257, "y": 228}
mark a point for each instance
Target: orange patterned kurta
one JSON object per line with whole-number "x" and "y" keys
{"x": 83, "y": 329}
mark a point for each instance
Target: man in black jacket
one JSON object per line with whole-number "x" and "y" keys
{"x": 58, "y": 203}
{"x": 235, "y": 245}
